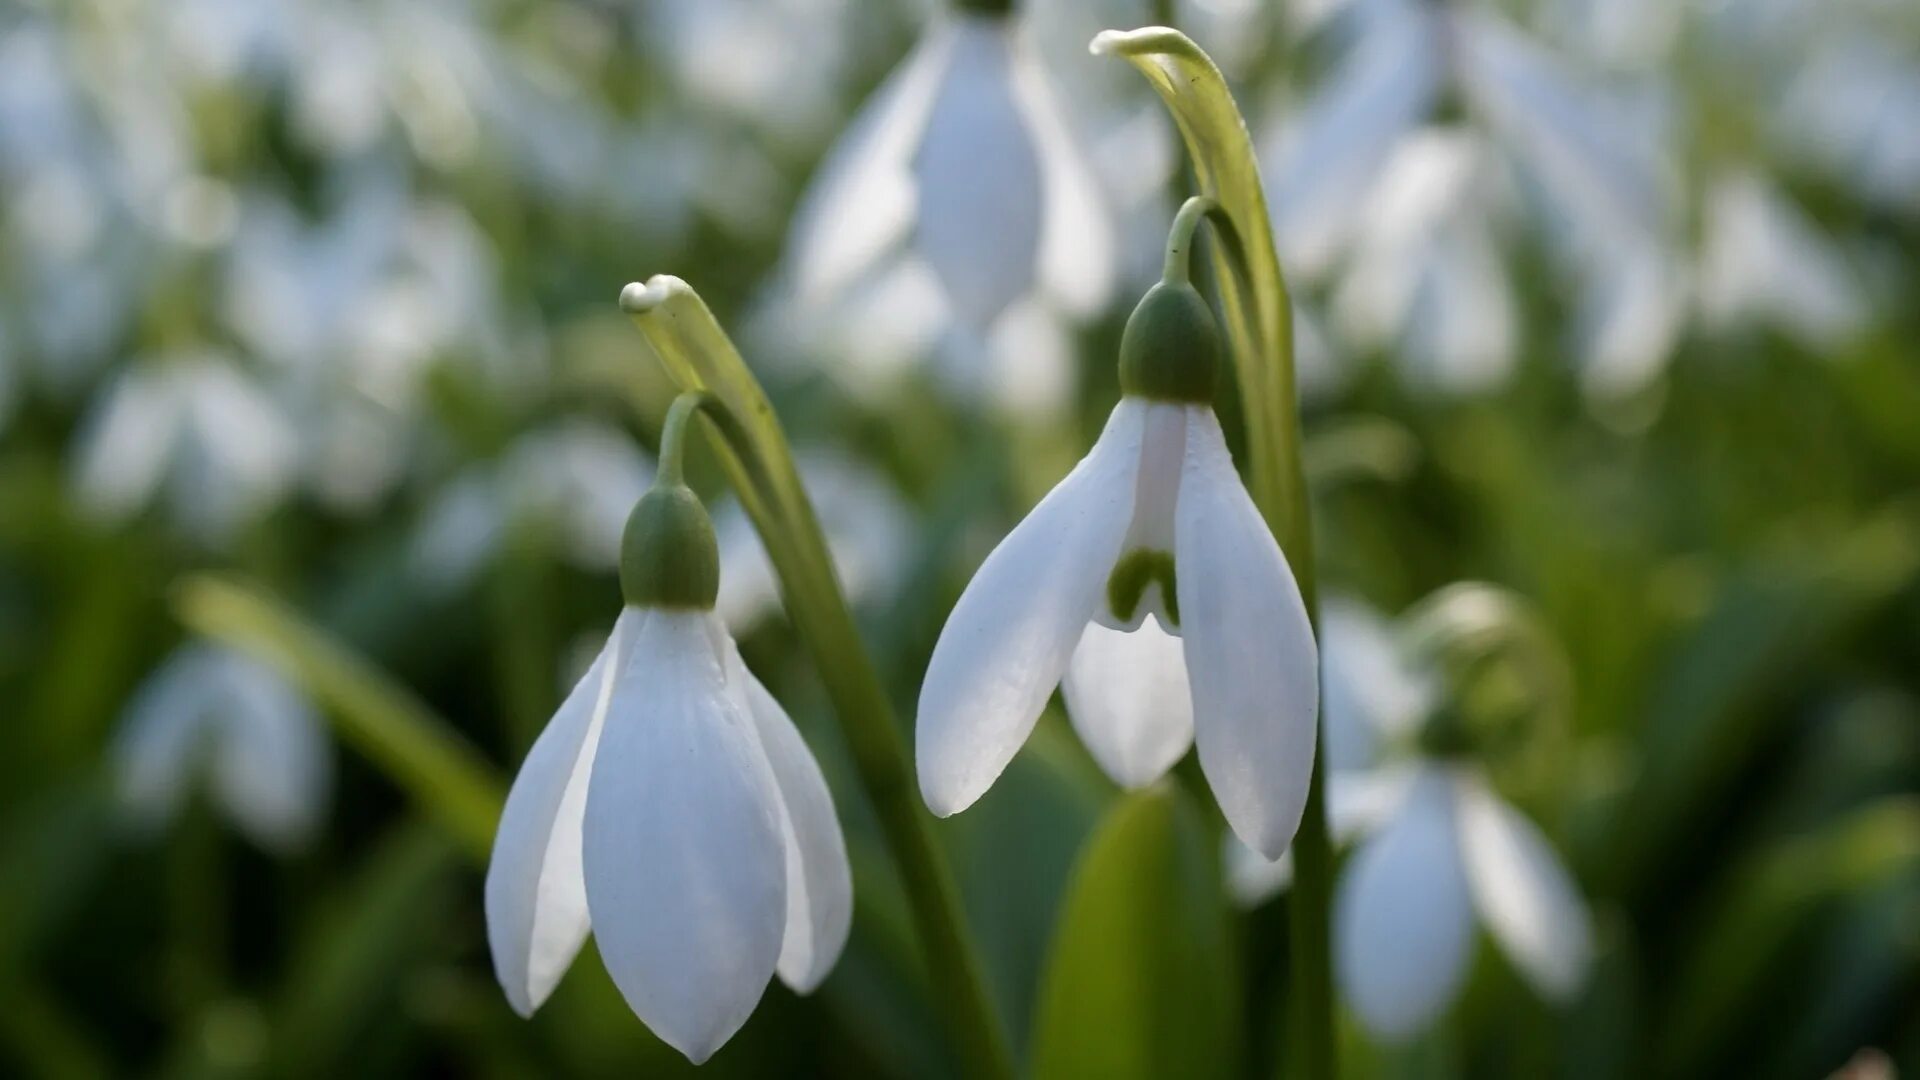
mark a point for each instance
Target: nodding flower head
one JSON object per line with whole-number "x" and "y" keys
{"x": 671, "y": 807}
{"x": 1149, "y": 583}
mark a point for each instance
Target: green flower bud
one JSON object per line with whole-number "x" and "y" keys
{"x": 668, "y": 555}
{"x": 1171, "y": 348}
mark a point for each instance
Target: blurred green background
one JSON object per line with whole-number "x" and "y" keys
{"x": 308, "y": 345}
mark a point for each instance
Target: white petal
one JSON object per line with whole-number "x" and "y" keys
{"x": 1529, "y": 902}
{"x": 165, "y": 729}
{"x": 1603, "y": 172}
{"x": 1128, "y": 698}
{"x": 273, "y": 766}
{"x": 1077, "y": 238}
{"x": 1249, "y": 647}
{"x": 819, "y": 880}
{"x": 1008, "y": 640}
{"x": 861, "y": 203}
{"x": 125, "y": 444}
{"x": 683, "y": 853}
{"x": 1339, "y": 144}
{"x": 1358, "y": 803}
{"x": 978, "y": 176}
{"x": 1403, "y": 922}
{"x": 536, "y": 898}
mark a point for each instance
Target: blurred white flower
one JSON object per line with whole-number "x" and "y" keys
{"x": 1425, "y": 272}
{"x": 869, "y": 532}
{"x": 958, "y": 185}
{"x": 193, "y": 430}
{"x": 671, "y": 808}
{"x": 1405, "y": 216}
{"x": 1765, "y": 262}
{"x": 1438, "y": 847}
{"x": 579, "y": 478}
{"x": 1408, "y": 900}
{"x": 212, "y": 715}
{"x": 1149, "y": 583}
{"x": 1854, "y": 107}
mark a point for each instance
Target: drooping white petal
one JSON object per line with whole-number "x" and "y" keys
{"x": 861, "y": 204}
{"x": 1127, "y": 696}
{"x": 1344, "y": 136}
{"x": 978, "y": 177}
{"x": 1358, "y": 804}
{"x": 1528, "y": 901}
{"x": 1764, "y": 259}
{"x": 125, "y": 443}
{"x": 536, "y": 900}
{"x": 164, "y": 729}
{"x": 1403, "y": 921}
{"x": 272, "y": 765}
{"x": 1249, "y": 647}
{"x": 1599, "y": 167}
{"x": 819, "y": 880}
{"x": 1077, "y": 240}
{"x": 1008, "y": 640}
{"x": 682, "y": 845}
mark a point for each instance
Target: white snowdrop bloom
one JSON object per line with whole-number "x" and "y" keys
{"x": 579, "y": 477}
{"x": 1415, "y": 258}
{"x": 1765, "y": 261}
{"x": 671, "y": 808}
{"x": 1451, "y": 853}
{"x": 213, "y": 715}
{"x": 869, "y": 534}
{"x": 193, "y": 429}
{"x": 1147, "y": 580}
{"x": 1425, "y": 271}
{"x": 961, "y": 174}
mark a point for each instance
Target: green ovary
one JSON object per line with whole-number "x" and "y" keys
{"x": 1132, "y": 574}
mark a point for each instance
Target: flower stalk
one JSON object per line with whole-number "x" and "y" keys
{"x": 1259, "y": 325}
{"x": 759, "y": 464}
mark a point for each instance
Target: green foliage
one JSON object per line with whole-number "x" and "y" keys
{"x": 1140, "y": 977}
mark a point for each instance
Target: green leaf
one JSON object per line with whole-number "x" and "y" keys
{"x": 1140, "y": 980}
{"x": 1717, "y": 705}
{"x": 1767, "y": 903}
{"x": 418, "y": 750}
{"x": 352, "y": 963}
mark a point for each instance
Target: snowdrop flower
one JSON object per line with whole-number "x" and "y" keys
{"x": 671, "y": 807}
{"x": 959, "y": 196}
{"x": 1451, "y": 852}
{"x": 1151, "y": 584}
{"x": 215, "y": 713}
{"x": 195, "y": 428}
{"x": 1439, "y": 850}
{"x": 1419, "y": 243}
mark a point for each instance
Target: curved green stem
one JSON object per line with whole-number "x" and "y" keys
{"x": 673, "y": 433}
{"x": 759, "y": 464}
{"x": 1179, "y": 262}
{"x": 1259, "y": 324}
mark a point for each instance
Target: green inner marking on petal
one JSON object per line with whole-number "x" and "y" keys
{"x": 1132, "y": 574}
